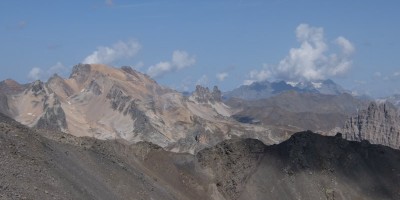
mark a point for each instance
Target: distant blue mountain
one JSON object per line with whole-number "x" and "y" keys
{"x": 266, "y": 89}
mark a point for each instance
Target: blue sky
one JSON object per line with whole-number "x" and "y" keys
{"x": 225, "y": 43}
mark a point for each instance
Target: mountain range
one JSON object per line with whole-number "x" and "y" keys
{"x": 115, "y": 133}
{"x": 266, "y": 89}
{"x": 121, "y": 103}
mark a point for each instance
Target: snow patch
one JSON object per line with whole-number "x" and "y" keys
{"x": 316, "y": 85}
{"x": 293, "y": 84}
{"x": 31, "y": 114}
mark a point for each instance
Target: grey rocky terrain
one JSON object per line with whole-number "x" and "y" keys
{"x": 40, "y": 164}
{"x": 379, "y": 124}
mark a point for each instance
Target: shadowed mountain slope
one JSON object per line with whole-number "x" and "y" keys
{"x": 38, "y": 164}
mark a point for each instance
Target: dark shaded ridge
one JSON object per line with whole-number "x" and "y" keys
{"x": 307, "y": 166}
{"x": 46, "y": 165}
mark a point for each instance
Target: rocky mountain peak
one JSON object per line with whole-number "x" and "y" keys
{"x": 37, "y": 87}
{"x": 216, "y": 94}
{"x": 54, "y": 77}
{"x": 59, "y": 86}
{"x": 379, "y": 124}
{"x": 10, "y": 86}
{"x": 203, "y": 94}
{"x": 128, "y": 70}
{"x": 80, "y": 72}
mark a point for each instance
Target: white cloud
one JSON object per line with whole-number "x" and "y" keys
{"x": 159, "y": 69}
{"x": 248, "y": 82}
{"x": 258, "y": 75}
{"x": 222, "y": 76}
{"x": 203, "y": 81}
{"x": 119, "y": 50}
{"x": 377, "y": 74}
{"x": 346, "y": 45}
{"x": 58, "y": 68}
{"x": 186, "y": 83}
{"x": 312, "y": 60}
{"x": 35, "y": 74}
{"x": 138, "y": 65}
{"x": 396, "y": 74}
{"x": 180, "y": 60}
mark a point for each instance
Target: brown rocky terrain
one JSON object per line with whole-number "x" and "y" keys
{"x": 8, "y": 87}
{"x": 120, "y": 103}
{"x": 379, "y": 124}
{"x": 40, "y": 164}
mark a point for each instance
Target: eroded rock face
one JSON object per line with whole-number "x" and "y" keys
{"x": 118, "y": 98}
{"x": 203, "y": 94}
{"x": 53, "y": 117}
{"x": 379, "y": 124}
{"x": 95, "y": 88}
{"x": 4, "y": 105}
{"x": 37, "y": 88}
{"x": 80, "y": 72}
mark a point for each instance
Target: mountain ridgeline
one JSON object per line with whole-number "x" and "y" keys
{"x": 121, "y": 103}
{"x": 266, "y": 89}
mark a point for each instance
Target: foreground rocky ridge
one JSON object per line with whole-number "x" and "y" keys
{"x": 37, "y": 164}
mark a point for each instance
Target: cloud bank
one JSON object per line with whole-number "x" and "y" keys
{"x": 203, "y": 81}
{"x": 180, "y": 60}
{"x": 119, "y": 50}
{"x": 37, "y": 73}
{"x": 312, "y": 60}
{"x": 34, "y": 74}
{"x": 222, "y": 76}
